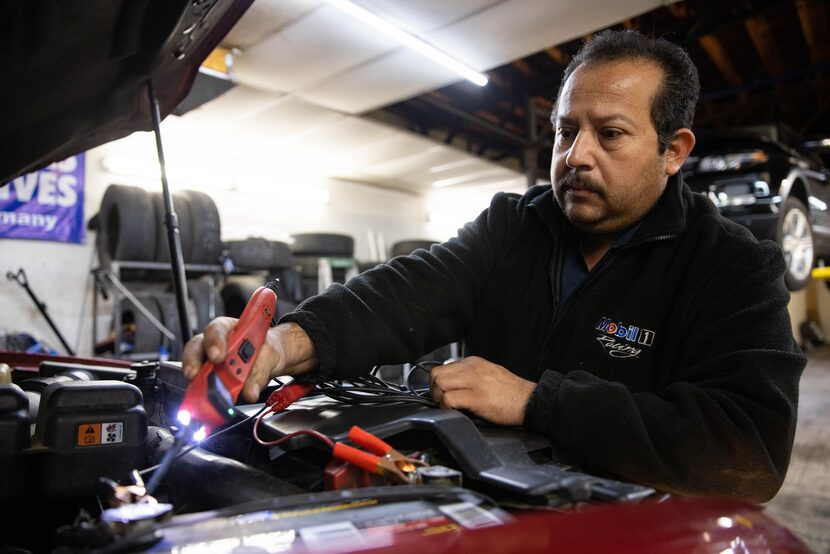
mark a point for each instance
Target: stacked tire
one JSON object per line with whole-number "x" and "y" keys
{"x": 131, "y": 226}
{"x": 264, "y": 260}
{"x": 309, "y": 248}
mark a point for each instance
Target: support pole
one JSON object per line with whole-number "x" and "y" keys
{"x": 21, "y": 279}
{"x": 171, "y": 222}
{"x": 531, "y": 152}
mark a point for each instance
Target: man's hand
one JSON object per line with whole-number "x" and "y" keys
{"x": 488, "y": 390}
{"x": 287, "y": 350}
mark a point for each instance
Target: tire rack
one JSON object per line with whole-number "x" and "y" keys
{"x": 120, "y": 291}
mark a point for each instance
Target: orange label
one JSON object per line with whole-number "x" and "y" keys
{"x": 89, "y": 434}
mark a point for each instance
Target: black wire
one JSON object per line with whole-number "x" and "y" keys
{"x": 423, "y": 365}
{"x": 206, "y": 439}
{"x": 369, "y": 390}
{"x": 374, "y": 380}
{"x": 428, "y": 370}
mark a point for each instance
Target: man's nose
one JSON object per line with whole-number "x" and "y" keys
{"x": 581, "y": 152}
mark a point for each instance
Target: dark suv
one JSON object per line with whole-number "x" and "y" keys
{"x": 776, "y": 191}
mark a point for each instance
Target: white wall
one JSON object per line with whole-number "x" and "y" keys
{"x": 59, "y": 273}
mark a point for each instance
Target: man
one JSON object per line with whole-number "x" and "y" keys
{"x": 615, "y": 312}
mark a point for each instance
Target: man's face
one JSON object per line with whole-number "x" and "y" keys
{"x": 606, "y": 169}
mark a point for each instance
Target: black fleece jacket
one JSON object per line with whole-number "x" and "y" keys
{"x": 673, "y": 365}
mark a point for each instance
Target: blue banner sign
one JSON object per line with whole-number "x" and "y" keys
{"x": 45, "y": 205}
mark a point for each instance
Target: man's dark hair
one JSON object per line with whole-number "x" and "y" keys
{"x": 673, "y": 106}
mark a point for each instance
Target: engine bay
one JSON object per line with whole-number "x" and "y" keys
{"x": 81, "y": 441}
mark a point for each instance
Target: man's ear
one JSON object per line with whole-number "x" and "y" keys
{"x": 678, "y": 150}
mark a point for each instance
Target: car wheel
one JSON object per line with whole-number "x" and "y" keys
{"x": 795, "y": 236}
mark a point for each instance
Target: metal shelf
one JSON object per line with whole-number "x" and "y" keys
{"x": 120, "y": 291}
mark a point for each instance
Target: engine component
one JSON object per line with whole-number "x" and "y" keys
{"x": 440, "y": 475}
{"x": 187, "y": 477}
{"x": 92, "y": 429}
{"x": 14, "y": 439}
{"x": 34, "y": 387}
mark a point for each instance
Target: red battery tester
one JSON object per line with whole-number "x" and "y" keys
{"x": 210, "y": 397}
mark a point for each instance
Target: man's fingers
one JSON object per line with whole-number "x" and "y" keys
{"x": 259, "y": 377}
{"x": 216, "y": 338}
{"x": 193, "y": 356}
{"x": 450, "y": 377}
{"x": 211, "y": 344}
{"x": 459, "y": 399}
{"x": 253, "y": 386}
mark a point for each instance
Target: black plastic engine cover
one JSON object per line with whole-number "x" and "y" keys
{"x": 14, "y": 439}
{"x": 91, "y": 429}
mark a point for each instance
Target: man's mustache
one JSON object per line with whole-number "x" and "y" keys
{"x": 572, "y": 179}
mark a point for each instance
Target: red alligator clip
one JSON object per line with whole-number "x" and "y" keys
{"x": 385, "y": 461}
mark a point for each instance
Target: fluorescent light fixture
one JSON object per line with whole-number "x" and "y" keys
{"x": 480, "y": 177}
{"x": 452, "y": 165}
{"x": 410, "y": 40}
{"x": 453, "y": 181}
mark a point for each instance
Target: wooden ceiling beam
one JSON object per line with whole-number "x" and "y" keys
{"x": 711, "y": 45}
{"x": 761, "y": 35}
{"x": 632, "y": 24}
{"x": 524, "y": 68}
{"x": 765, "y": 45}
{"x": 438, "y": 95}
{"x": 487, "y": 116}
{"x": 717, "y": 53}
{"x": 814, "y": 15}
{"x": 678, "y": 10}
{"x": 558, "y": 55}
{"x": 543, "y": 103}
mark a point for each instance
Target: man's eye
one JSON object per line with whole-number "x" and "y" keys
{"x": 611, "y": 133}
{"x": 564, "y": 133}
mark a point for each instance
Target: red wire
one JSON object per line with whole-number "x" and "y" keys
{"x": 288, "y": 437}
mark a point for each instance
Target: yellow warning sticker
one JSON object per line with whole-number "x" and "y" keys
{"x": 89, "y": 434}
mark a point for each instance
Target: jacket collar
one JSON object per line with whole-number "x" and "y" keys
{"x": 666, "y": 219}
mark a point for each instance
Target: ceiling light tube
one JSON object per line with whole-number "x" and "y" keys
{"x": 410, "y": 40}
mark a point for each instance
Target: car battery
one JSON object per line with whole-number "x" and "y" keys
{"x": 91, "y": 429}
{"x": 14, "y": 439}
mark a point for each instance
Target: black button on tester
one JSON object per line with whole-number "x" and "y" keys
{"x": 246, "y": 351}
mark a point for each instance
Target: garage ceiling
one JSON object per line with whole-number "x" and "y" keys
{"x": 307, "y": 73}
{"x": 761, "y": 63}
{"x": 321, "y": 90}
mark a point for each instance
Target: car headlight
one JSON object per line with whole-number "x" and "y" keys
{"x": 731, "y": 162}
{"x": 738, "y": 194}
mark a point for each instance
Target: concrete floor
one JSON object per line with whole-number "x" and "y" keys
{"x": 803, "y": 503}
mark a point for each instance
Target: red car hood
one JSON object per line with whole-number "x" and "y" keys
{"x": 76, "y": 70}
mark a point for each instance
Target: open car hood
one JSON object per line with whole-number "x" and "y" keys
{"x": 77, "y": 70}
